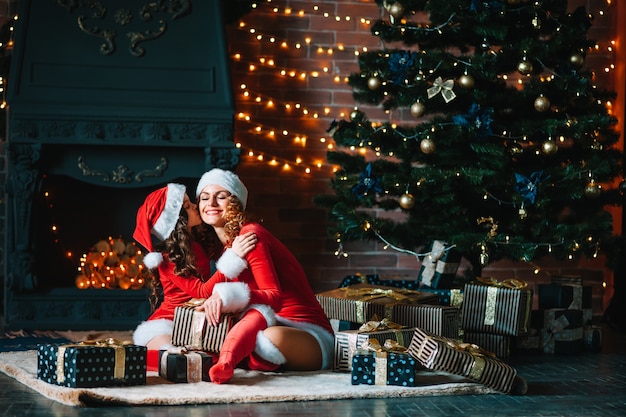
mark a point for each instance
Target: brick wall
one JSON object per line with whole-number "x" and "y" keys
{"x": 283, "y": 197}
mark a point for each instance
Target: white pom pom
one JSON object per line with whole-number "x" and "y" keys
{"x": 152, "y": 259}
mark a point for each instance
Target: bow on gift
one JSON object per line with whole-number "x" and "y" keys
{"x": 366, "y": 294}
{"x": 443, "y": 87}
{"x": 515, "y": 284}
{"x": 390, "y": 346}
{"x": 376, "y": 325}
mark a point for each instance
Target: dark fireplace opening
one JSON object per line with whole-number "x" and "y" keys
{"x": 71, "y": 216}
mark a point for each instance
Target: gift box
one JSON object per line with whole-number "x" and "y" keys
{"x": 440, "y": 320}
{"x": 575, "y": 297}
{"x": 452, "y": 297}
{"x": 563, "y": 331}
{"x": 192, "y": 331}
{"x": 347, "y": 342}
{"x": 592, "y": 339}
{"x": 439, "y": 267}
{"x": 499, "y": 344}
{"x": 180, "y": 365}
{"x": 362, "y": 302}
{"x": 464, "y": 359}
{"x": 388, "y": 364}
{"x": 91, "y": 364}
{"x": 490, "y": 306}
{"x": 531, "y": 342}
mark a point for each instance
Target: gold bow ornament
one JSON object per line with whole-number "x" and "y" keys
{"x": 443, "y": 87}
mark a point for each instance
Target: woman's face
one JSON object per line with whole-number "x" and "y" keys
{"x": 193, "y": 216}
{"x": 213, "y": 203}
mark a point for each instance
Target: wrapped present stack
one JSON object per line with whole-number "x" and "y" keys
{"x": 92, "y": 363}
{"x": 565, "y": 306}
{"x": 495, "y": 311}
{"x": 182, "y": 365}
{"x": 379, "y": 312}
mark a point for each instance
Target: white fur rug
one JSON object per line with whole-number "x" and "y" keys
{"x": 245, "y": 387}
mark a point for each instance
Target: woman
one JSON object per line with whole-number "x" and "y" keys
{"x": 282, "y": 324}
{"x": 181, "y": 262}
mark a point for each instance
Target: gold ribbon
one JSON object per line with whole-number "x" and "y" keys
{"x": 445, "y": 87}
{"x": 119, "y": 370}
{"x": 198, "y": 319}
{"x": 376, "y": 325}
{"x": 367, "y": 294}
{"x": 514, "y": 284}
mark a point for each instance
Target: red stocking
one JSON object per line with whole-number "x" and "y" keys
{"x": 240, "y": 342}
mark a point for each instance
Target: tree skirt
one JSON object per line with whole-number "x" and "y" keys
{"x": 245, "y": 387}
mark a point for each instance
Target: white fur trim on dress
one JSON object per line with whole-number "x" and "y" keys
{"x": 230, "y": 264}
{"x": 267, "y": 350}
{"x": 148, "y": 330}
{"x": 267, "y": 312}
{"x": 152, "y": 260}
{"x": 235, "y": 295}
{"x": 325, "y": 339}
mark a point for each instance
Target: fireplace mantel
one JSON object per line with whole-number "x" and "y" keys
{"x": 119, "y": 95}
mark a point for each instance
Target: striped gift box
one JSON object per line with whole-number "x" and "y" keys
{"x": 436, "y": 319}
{"x": 360, "y": 303}
{"x": 192, "y": 331}
{"x": 496, "y": 309}
{"x": 179, "y": 365}
{"x": 347, "y": 342}
{"x": 499, "y": 344}
{"x": 443, "y": 354}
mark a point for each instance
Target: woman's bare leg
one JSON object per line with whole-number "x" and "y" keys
{"x": 157, "y": 342}
{"x": 302, "y": 351}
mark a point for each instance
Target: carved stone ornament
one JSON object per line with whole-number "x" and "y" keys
{"x": 122, "y": 174}
{"x": 94, "y": 21}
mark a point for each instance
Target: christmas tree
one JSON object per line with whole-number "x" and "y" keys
{"x": 509, "y": 150}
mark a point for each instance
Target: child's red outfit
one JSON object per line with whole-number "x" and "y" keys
{"x": 275, "y": 282}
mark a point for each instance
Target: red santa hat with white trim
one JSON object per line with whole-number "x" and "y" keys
{"x": 157, "y": 217}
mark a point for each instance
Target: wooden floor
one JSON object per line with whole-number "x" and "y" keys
{"x": 589, "y": 384}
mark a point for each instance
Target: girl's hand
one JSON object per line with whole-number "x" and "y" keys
{"x": 212, "y": 308}
{"x": 243, "y": 244}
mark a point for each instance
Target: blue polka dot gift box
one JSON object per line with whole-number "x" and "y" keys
{"x": 383, "y": 368}
{"x": 92, "y": 364}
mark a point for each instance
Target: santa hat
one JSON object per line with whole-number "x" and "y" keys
{"x": 227, "y": 180}
{"x": 158, "y": 216}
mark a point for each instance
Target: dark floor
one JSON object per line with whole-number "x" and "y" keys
{"x": 589, "y": 384}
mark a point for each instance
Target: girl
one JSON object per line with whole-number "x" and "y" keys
{"x": 181, "y": 261}
{"x": 283, "y": 324}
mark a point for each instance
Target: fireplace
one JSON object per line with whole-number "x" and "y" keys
{"x": 108, "y": 100}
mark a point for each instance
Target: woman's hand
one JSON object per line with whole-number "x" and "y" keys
{"x": 243, "y": 244}
{"x": 212, "y": 308}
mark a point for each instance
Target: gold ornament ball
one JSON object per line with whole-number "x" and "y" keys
{"x": 516, "y": 149}
{"x": 542, "y": 103}
{"x": 577, "y": 60}
{"x": 549, "y": 147}
{"x": 466, "y": 81}
{"x": 593, "y": 190}
{"x": 427, "y": 146}
{"x": 396, "y": 10}
{"x": 418, "y": 109}
{"x": 524, "y": 67}
{"x": 407, "y": 201}
{"x": 373, "y": 83}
